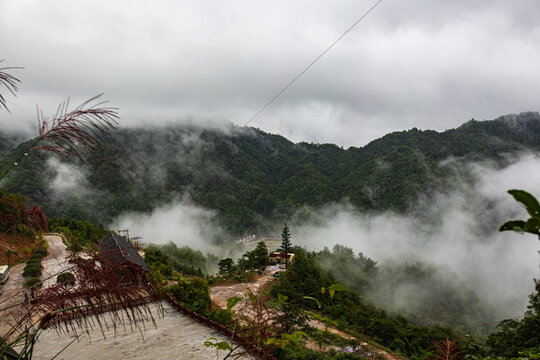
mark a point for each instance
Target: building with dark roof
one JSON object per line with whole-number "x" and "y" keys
{"x": 122, "y": 254}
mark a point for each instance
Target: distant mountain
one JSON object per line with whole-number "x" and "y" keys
{"x": 8, "y": 141}
{"x": 252, "y": 178}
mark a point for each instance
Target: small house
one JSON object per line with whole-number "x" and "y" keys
{"x": 121, "y": 254}
{"x": 279, "y": 257}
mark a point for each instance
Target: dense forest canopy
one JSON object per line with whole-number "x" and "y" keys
{"x": 253, "y": 179}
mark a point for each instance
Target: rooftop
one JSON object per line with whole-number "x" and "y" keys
{"x": 119, "y": 249}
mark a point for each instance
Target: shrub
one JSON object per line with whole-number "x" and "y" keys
{"x": 67, "y": 279}
{"x": 31, "y": 271}
{"x": 193, "y": 293}
{"x": 222, "y": 316}
{"x": 33, "y": 262}
{"x": 40, "y": 252}
{"x": 32, "y": 281}
{"x": 35, "y": 256}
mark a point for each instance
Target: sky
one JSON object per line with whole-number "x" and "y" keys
{"x": 410, "y": 63}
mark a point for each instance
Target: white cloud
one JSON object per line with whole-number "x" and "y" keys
{"x": 68, "y": 179}
{"x": 180, "y": 222}
{"x": 456, "y": 231}
{"x": 408, "y": 64}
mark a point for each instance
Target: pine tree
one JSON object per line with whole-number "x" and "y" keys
{"x": 286, "y": 242}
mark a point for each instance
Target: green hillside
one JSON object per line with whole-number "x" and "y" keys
{"x": 252, "y": 178}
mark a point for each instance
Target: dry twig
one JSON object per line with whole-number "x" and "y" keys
{"x": 448, "y": 350}
{"x": 84, "y": 126}
{"x": 10, "y": 82}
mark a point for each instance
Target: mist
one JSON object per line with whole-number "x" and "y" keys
{"x": 180, "y": 222}
{"x": 68, "y": 179}
{"x": 452, "y": 233}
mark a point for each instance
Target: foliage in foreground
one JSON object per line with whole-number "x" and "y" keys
{"x": 192, "y": 293}
{"x": 352, "y": 313}
{"x": 521, "y": 337}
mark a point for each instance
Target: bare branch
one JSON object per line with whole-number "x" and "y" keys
{"x": 10, "y": 82}
{"x": 14, "y": 214}
{"x": 448, "y": 350}
{"x": 84, "y": 126}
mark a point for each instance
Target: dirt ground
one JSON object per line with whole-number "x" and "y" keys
{"x": 322, "y": 326}
{"x": 20, "y": 244}
{"x": 220, "y": 293}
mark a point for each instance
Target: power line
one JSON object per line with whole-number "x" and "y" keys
{"x": 28, "y": 115}
{"x": 313, "y": 63}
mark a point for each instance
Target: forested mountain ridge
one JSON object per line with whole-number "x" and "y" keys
{"x": 247, "y": 175}
{"x": 9, "y": 141}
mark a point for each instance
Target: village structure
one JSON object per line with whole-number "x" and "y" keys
{"x": 278, "y": 258}
{"x": 116, "y": 313}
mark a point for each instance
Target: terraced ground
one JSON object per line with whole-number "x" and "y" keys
{"x": 221, "y": 292}
{"x": 175, "y": 336}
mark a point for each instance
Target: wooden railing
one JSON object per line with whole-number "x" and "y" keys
{"x": 249, "y": 346}
{"x": 51, "y": 319}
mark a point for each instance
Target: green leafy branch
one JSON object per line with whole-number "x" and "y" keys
{"x": 532, "y": 206}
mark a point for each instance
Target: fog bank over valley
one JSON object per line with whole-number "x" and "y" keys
{"x": 455, "y": 233}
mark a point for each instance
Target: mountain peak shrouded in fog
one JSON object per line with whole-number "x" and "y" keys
{"x": 409, "y": 63}
{"x": 247, "y": 175}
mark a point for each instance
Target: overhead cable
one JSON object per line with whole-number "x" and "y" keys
{"x": 314, "y": 61}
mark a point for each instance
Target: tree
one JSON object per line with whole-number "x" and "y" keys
{"x": 290, "y": 316}
{"x": 260, "y": 255}
{"x": 225, "y": 265}
{"x": 286, "y": 243}
{"x": 75, "y": 245}
{"x": 247, "y": 261}
{"x": 193, "y": 293}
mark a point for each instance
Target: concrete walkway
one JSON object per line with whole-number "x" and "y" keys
{"x": 52, "y": 264}
{"x": 176, "y": 337}
{"x": 56, "y": 262}
{"x": 8, "y": 300}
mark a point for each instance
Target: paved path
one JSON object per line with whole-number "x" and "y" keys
{"x": 52, "y": 264}
{"x": 8, "y": 300}
{"x": 176, "y": 337}
{"x": 56, "y": 262}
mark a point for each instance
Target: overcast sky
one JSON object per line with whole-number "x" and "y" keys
{"x": 427, "y": 64}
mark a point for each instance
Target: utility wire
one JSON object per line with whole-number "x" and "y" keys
{"x": 314, "y": 61}
{"x": 28, "y": 115}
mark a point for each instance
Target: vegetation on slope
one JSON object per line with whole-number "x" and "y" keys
{"x": 253, "y": 179}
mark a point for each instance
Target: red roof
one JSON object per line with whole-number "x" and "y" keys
{"x": 281, "y": 255}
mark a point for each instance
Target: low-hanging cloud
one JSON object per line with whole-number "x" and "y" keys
{"x": 455, "y": 231}
{"x": 409, "y": 63}
{"x": 180, "y": 222}
{"x": 67, "y": 179}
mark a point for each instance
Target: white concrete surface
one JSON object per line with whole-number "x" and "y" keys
{"x": 176, "y": 337}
